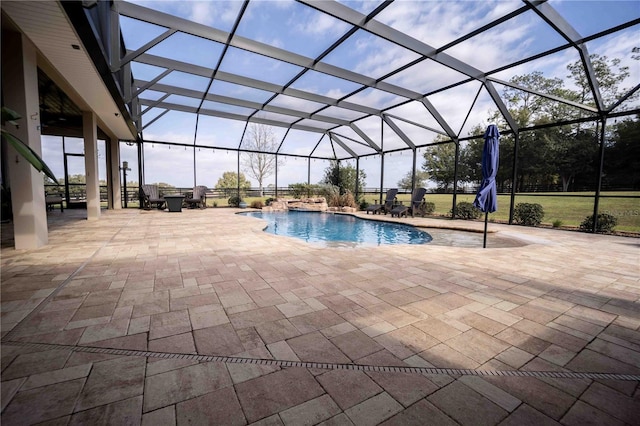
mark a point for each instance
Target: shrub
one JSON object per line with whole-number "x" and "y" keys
{"x": 215, "y": 204}
{"x": 347, "y": 200}
{"x": 425, "y": 208}
{"x": 299, "y": 190}
{"x": 234, "y": 201}
{"x": 363, "y": 204}
{"x": 556, "y": 223}
{"x": 256, "y": 204}
{"x": 606, "y": 223}
{"x": 302, "y": 190}
{"x": 528, "y": 214}
{"x": 465, "y": 210}
{"x": 331, "y": 193}
{"x": 269, "y": 201}
{"x": 334, "y": 201}
{"x": 429, "y": 207}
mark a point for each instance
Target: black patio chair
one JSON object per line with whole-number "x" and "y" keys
{"x": 388, "y": 203}
{"x": 151, "y": 196}
{"x": 417, "y": 199}
{"x": 198, "y": 198}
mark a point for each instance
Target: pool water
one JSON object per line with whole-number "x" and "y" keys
{"x": 339, "y": 229}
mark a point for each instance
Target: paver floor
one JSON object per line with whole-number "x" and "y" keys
{"x": 199, "y": 317}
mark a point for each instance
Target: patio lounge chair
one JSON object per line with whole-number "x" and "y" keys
{"x": 151, "y": 196}
{"x": 388, "y": 203}
{"x": 53, "y": 199}
{"x": 417, "y": 198}
{"x": 199, "y": 197}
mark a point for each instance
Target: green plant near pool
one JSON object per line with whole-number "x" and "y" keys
{"x": 528, "y": 214}
{"x": 465, "y": 210}
{"x": 429, "y": 207}
{"x": 234, "y": 201}
{"x": 605, "y": 223}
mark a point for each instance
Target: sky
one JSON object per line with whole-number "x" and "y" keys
{"x": 307, "y": 32}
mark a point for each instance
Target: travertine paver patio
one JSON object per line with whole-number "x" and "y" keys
{"x": 211, "y": 283}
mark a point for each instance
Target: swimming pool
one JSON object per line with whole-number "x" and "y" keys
{"x": 339, "y": 229}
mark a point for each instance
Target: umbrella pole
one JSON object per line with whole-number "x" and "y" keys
{"x": 486, "y": 218}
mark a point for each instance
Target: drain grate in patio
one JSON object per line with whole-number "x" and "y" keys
{"x": 330, "y": 366}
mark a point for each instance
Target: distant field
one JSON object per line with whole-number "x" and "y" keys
{"x": 571, "y": 207}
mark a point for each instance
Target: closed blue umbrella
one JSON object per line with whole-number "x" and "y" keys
{"x": 487, "y": 196}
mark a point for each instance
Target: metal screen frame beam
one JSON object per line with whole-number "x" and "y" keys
{"x": 343, "y": 145}
{"x": 194, "y": 94}
{"x": 566, "y": 30}
{"x": 399, "y": 132}
{"x": 186, "y": 67}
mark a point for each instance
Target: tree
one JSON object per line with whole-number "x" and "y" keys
{"x": 421, "y": 179}
{"x": 164, "y": 187}
{"x": 439, "y": 164}
{"x": 229, "y": 183}
{"x": 572, "y": 153}
{"x": 470, "y": 163}
{"x": 535, "y": 160}
{"x": 609, "y": 75}
{"x": 564, "y": 154}
{"x": 575, "y": 147}
{"x": 525, "y": 107}
{"x": 260, "y": 163}
{"x": 78, "y": 179}
{"x": 344, "y": 177}
{"x": 622, "y": 157}
{"x": 549, "y": 155}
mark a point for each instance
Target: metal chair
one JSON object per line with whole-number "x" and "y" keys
{"x": 198, "y": 198}
{"x": 388, "y": 203}
{"x": 151, "y": 196}
{"x": 415, "y": 206}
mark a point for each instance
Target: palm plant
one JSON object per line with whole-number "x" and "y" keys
{"x": 10, "y": 116}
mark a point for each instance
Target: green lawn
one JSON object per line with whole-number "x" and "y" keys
{"x": 570, "y": 208}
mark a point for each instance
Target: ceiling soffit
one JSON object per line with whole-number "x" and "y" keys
{"x": 46, "y": 24}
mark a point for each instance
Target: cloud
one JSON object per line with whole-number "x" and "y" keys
{"x": 201, "y": 12}
{"x": 375, "y": 98}
{"x": 382, "y": 57}
{"x": 211, "y": 13}
{"x": 321, "y": 25}
{"x": 438, "y": 23}
{"x": 335, "y": 93}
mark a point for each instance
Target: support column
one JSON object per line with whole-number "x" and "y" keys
{"x": 381, "y": 160}
{"x": 20, "y": 93}
{"x": 596, "y": 200}
{"x": 239, "y": 178}
{"x": 113, "y": 177}
{"x": 90, "y": 133}
{"x": 454, "y": 208}
{"x": 357, "y": 189}
{"x": 141, "y": 173}
{"x": 381, "y": 177}
{"x": 413, "y": 171}
{"x": 514, "y": 175}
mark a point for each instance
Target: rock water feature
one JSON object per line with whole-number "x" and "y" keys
{"x": 318, "y": 204}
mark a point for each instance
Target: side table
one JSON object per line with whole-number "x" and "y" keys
{"x": 174, "y": 202}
